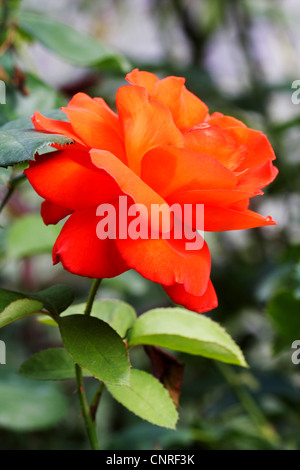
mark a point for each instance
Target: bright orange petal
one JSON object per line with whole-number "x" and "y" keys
{"x": 224, "y": 121}
{"x": 187, "y": 110}
{"x": 95, "y": 131}
{"x": 99, "y": 107}
{"x": 216, "y": 142}
{"x": 146, "y": 125}
{"x": 143, "y": 79}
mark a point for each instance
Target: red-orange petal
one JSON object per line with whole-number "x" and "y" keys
{"x": 168, "y": 262}
{"x": 218, "y": 197}
{"x": 127, "y": 180}
{"x": 169, "y": 169}
{"x": 129, "y": 183}
{"x": 258, "y": 178}
{"x": 217, "y": 219}
{"x": 41, "y": 123}
{"x": 259, "y": 148}
{"x": 81, "y": 252}
{"x": 197, "y": 303}
{"x": 53, "y": 213}
{"x": 69, "y": 179}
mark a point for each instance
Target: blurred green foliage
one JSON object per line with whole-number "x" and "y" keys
{"x": 256, "y": 274}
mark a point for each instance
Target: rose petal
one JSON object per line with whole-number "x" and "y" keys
{"x": 95, "y": 131}
{"x": 216, "y": 142}
{"x": 81, "y": 252}
{"x": 220, "y": 198}
{"x": 98, "y": 106}
{"x": 128, "y": 181}
{"x": 41, "y": 123}
{"x": 143, "y": 79}
{"x": 259, "y": 148}
{"x": 146, "y": 125}
{"x": 224, "y": 121}
{"x": 168, "y": 170}
{"x": 53, "y": 213}
{"x": 186, "y": 108}
{"x": 68, "y": 178}
{"x": 258, "y": 178}
{"x": 201, "y": 303}
{"x": 217, "y": 219}
{"x": 168, "y": 262}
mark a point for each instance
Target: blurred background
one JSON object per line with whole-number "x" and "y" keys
{"x": 241, "y": 57}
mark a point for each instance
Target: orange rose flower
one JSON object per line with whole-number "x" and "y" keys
{"x": 162, "y": 146}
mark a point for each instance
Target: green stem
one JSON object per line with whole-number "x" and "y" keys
{"x": 11, "y": 187}
{"x": 265, "y": 428}
{"x": 95, "y": 402}
{"x": 90, "y": 424}
{"x": 7, "y": 197}
{"x": 4, "y": 14}
{"x": 92, "y": 295}
{"x": 89, "y": 413}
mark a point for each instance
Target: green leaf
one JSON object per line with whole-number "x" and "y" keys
{"x": 69, "y": 44}
{"x": 8, "y": 296}
{"x": 20, "y": 145}
{"x": 46, "y": 320}
{"x": 29, "y": 236}
{"x": 28, "y": 406}
{"x": 119, "y": 315}
{"x": 55, "y": 299}
{"x": 19, "y": 309}
{"x": 147, "y": 398}
{"x": 95, "y": 346}
{"x": 16, "y": 305}
{"x": 51, "y": 364}
{"x": 284, "y": 312}
{"x": 185, "y": 331}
